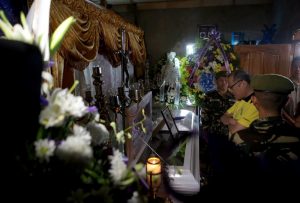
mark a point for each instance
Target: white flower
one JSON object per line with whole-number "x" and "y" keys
{"x": 76, "y": 147}
{"x": 135, "y": 198}
{"x": 47, "y": 84}
{"x": 98, "y": 132}
{"x": 62, "y": 104}
{"x": 212, "y": 64}
{"x": 120, "y": 137}
{"x": 81, "y": 132}
{"x": 35, "y": 28}
{"x": 118, "y": 167}
{"x": 38, "y": 22}
{"x": 44, "y": 149}
{"x": 220, "y": 58}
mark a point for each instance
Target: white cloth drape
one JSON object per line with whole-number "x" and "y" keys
{"x": 111, "y": 77}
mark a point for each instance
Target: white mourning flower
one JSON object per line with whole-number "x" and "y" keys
{"x": 77, "y": 146}
{"x": 220, "y": 58}
{"x": 135, "y": 198}
{"x": 98, "y": 131}
{"x": 44, "y": 149}
{"x": 62, "y": 104}
{"x": 47, "y": 84}
{"x": 118, "y": 167}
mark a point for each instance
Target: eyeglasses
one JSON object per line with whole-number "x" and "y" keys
{"x": 234, "y": 84}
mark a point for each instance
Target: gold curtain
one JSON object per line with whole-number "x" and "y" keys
{"x": 96, "y": 31}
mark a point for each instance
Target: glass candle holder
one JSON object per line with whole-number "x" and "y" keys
{"x": 153, "y": 170}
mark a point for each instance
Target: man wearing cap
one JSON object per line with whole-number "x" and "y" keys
{"x": 216, "y": 102}
{"x": 272, "y": 145}
{"x": 243, "y": 112}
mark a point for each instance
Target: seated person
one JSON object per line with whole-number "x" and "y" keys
{"x": 243, "y": 112}
{"x": 272, "y": 144}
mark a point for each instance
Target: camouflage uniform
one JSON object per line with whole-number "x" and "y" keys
{"x": 273, "y": 141}
{"x": 214, "y": 131}
{"x": 214, "y": 106}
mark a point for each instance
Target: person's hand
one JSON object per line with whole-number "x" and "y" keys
{"x": 227, "y": 119}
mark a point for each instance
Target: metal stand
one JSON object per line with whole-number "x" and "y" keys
{"x": 100, "y": 98}
{"x": 125, "y": 102}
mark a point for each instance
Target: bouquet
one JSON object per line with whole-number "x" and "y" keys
{"x": 74, "y": 151}
{"x": 212, "y": 62}
{"x": 73, "y": 158}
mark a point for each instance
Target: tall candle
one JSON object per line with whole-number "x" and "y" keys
{"x": 137, "y": 95}
{"x": 123, "y": 39}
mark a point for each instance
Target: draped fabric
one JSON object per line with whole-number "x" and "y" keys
{"x": 96, "y": 31}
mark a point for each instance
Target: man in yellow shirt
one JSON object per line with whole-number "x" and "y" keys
{"x": 243, "y": 112}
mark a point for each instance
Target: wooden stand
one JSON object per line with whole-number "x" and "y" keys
{"x": 133, "y": 114}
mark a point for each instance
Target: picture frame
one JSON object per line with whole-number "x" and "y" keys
{"x": 170, "y": 122}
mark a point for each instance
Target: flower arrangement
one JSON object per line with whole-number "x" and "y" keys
{"x": 73, "y": 150}
{"x": 206, "y": 66}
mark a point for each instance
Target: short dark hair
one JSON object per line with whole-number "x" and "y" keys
{"x": 271, "y": 101}
{"x": 240, "y": 75}
{"x": 221, "y": 74}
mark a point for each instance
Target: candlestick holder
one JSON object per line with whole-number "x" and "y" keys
{"x": 100, "y": 98}
{"x": 153, "y": 171}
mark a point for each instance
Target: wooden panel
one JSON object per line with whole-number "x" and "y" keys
{"x": 197, "y": 3}
{"x": 260, "y": 59}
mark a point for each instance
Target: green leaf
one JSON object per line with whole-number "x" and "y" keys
{"x": 59, "y": 34}
{"x": 23, "y": 21}
{"x": 5, "y": 20}
{"x": 6, "y": 29}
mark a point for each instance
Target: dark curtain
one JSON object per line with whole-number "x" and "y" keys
{"x": 12, "y": 9}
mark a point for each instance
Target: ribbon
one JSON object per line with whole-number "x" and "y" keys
{"x": 214, "y": 37}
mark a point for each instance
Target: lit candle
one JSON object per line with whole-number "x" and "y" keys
{"x": 123, "y": 39}
{"x": 137, "y": 95}
{"x": 100, "y": 70}
{"x": 153, "y": 169}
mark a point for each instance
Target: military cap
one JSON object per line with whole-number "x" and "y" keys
{"x": 274, "y": 83}
{"x": 221, "y": 74}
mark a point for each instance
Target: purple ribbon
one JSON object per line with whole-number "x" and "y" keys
{"x": 214, "y": 37}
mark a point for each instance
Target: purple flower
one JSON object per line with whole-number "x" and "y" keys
{"x": 92, "y": 109}
{"x": 43, "y": 101}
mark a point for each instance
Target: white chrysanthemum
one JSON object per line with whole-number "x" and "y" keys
{"x": 70, "y": 104}
{"x": 52, "y": 116}
{"x": 81, "y": 132}
{"x": 118, "y": 167}
{"x": 98, "y": 132}
{"x": 44, "y": 149}
{"x": 220, "y": 58}
{"x": 62, "y": 104}
{"x": 135, "y": 198}
{"x": 212, "y": 64}
{"x": 47, "y": 85}
{"x": 76, "y": 147}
